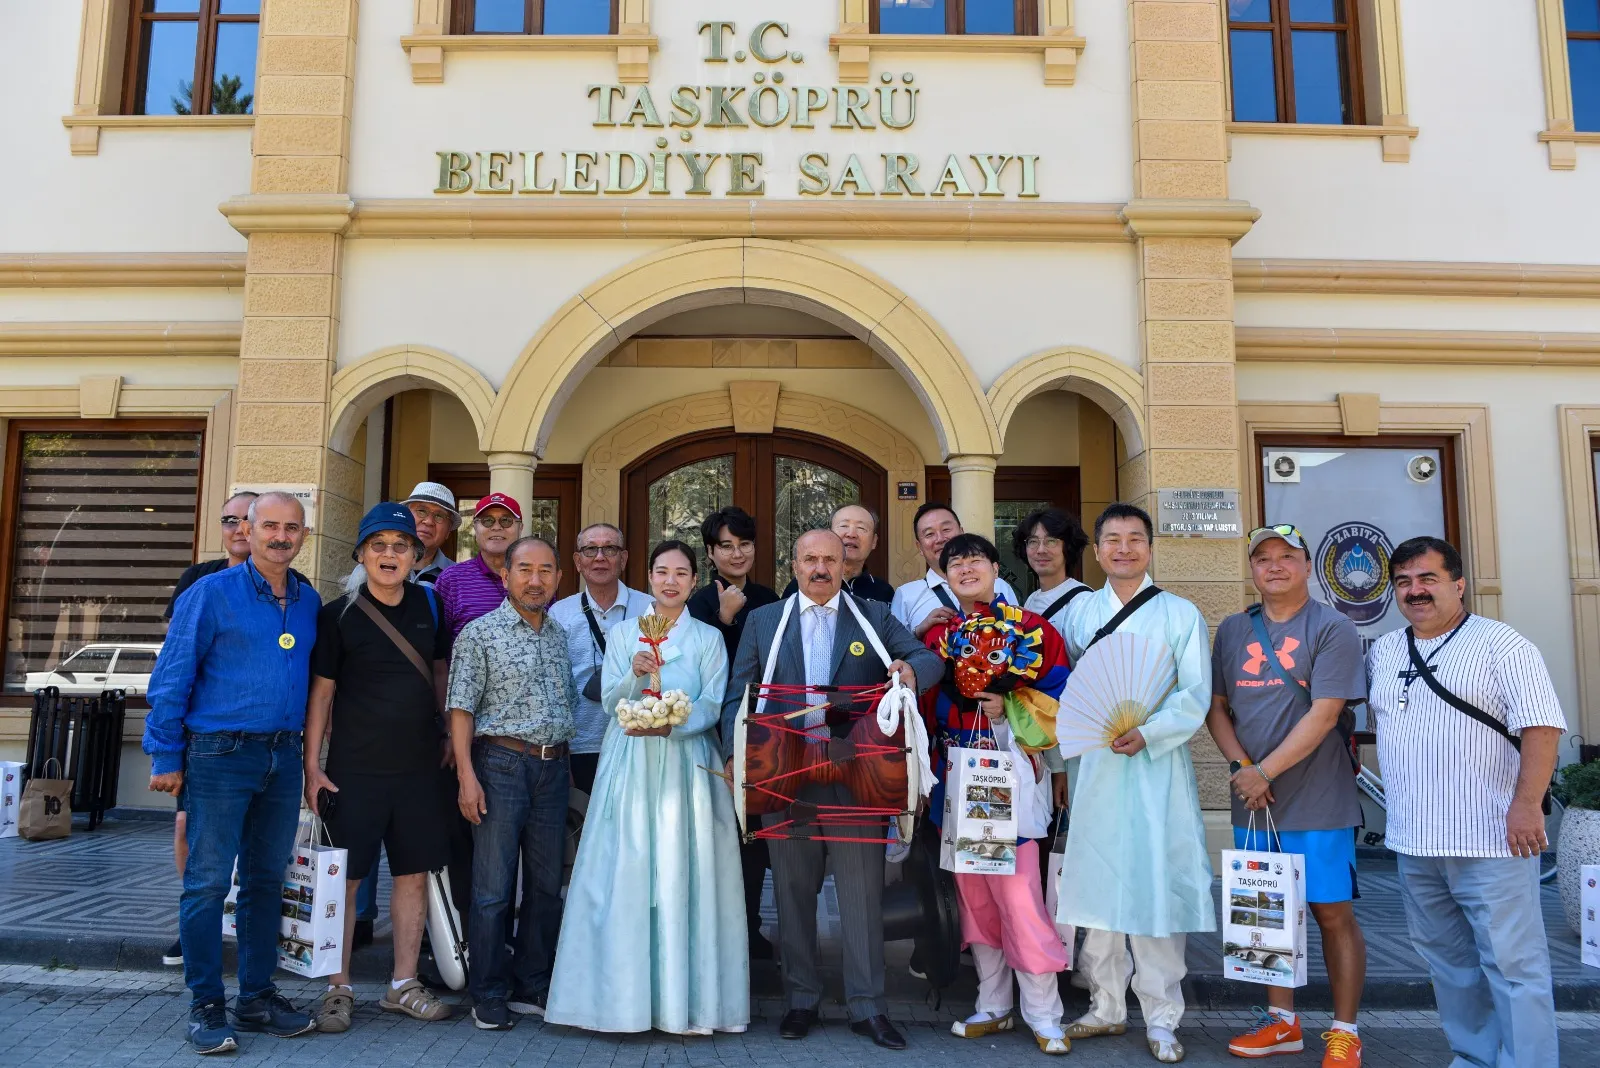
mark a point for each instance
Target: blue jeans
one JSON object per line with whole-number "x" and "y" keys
{"x": 242, "y": 794}
{"x": 1476, "y": 922}
{"x": 527, "y": 802}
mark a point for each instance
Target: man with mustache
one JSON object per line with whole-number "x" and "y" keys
{"x": 857, "y": 527}
{"x": 511, "y": 698}
{"x": 227, "y": 707}
{"x": 927, "y": 602}
{"x": 821, "y": 640}
{"x": 1468, "y": 728}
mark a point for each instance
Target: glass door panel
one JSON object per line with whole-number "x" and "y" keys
{"x": 681, "y": 499}
{"x": 805, "y": 496}
{"x": 1007, "y": 516}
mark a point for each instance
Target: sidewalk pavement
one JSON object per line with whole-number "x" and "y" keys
{"x": 107, "y": 899}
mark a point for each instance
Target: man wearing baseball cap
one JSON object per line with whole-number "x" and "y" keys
{"x": 473, "y": 587}
{"x": 433, "y": 506}
{"x": 1284, "y": 675}
{"x": 378, "y": 675}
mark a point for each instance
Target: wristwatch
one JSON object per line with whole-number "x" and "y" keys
{"x": 1235, "y": 765}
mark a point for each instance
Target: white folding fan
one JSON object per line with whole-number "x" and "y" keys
{"x": 1113, "y": 689}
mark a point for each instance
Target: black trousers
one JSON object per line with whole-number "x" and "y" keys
{"x": 754, "y": 861}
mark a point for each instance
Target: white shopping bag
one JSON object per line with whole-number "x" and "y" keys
{"x": 1264, "y": 915}
{"x": 10, "y": 796}
{"x": 311, "y": 931}
{"x": 1589, "y": 901}
{"x": 1052, "y": 886}
{"x": 979, "y": 835}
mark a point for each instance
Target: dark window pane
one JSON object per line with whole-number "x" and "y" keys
{"x": 1250, "y": 10}
{"x": 240, "y": 7}
{"x": 911, "y": 16}
{"x": 1255, "y": 94}
{"x": 166, "y": 7}
{"x": 498, "y": 16}
{"x": 991, "y": 16}
{"x": 1316, "y": 11}
{"x": 169, "y": 81}
{"x": 233, "y": 85}
{"x": 1584, "y": 59}
{"x": 1583, "y": 15}
{"x": 577, "y": 16}
{"x": 1318, "y": 76}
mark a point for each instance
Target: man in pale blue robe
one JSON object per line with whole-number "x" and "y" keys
{"x": 1136, "y": 862}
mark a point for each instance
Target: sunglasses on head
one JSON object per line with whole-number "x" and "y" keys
{"x": 1285, "y": 529}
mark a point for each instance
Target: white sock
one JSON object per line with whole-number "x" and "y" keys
{"x": 1286, "y": 1015}
{"x": 396, "y": 984}
{"x": 1340, "y": 1025}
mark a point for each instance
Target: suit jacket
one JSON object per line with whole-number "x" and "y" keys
{"x": 849, "y": 668}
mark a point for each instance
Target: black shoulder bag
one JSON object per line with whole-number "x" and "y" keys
{"x": 944, "y": 599}
{"x": 1140, "y": 599}
{"x": 1259, "y": 624}
{"x": 1466, "y": 708}
{"x": 591, "y": 688}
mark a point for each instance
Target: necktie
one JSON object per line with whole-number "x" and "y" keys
{"x": 819, "y": 659}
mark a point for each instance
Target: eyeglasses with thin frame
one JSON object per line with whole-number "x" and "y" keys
{"x": 1044, "y": 543}
{"x": 504, "y": 522}
{"x": 610, "y": 552}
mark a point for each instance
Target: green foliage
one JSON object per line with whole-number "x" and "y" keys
{"x": 225, "y": 97}
{"x": 1579, "y": 786}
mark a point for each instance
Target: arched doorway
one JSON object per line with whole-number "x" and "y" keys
{"x": 788, "y": 480}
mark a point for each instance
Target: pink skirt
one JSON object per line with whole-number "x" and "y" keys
{"x": 1007, "y": 911}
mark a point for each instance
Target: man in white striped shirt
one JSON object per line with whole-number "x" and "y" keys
{"x": 1464, "y": 777}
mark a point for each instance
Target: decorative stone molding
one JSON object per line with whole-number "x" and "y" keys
{"x": 1057, "y": 44}
{"x": 80, "y": 338}
{"x": 1579, "y": 426}
{"x": 1559, "y": 136}
{"x": 363, "y": 384}
{"x": 779, "y": 219}
{"x": 1393, "y": 138}
{"x": 1348, "y": 345}
{"x": 1174, "y": 217}
{"x": 288, "y": 213}
{"x": 1418, "y": 278}
{"x": 1359, "y": 413}
{"x": 82, "y": 270}
{"x": 708, "y": 273}
{"x": 430, "y": 40}
{"x": 837, "y": 421}
{"x": 1111, "y": 384}
{"x": 754, "y": 405}
{"x": 97, "y": 396}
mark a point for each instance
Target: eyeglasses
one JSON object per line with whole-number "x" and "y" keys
{"x": 435, "y": 515}
{"x": 390, "y": 548}
{"x": 1044, "y": 543}
{"x": 1288, "y": 530}
{"x": 505, "y": 522}
{"x": 231, "y": 520}
{"x": 610, "y": 552}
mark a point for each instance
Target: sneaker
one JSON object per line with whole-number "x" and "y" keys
{"x": 208, "y": 1029}
{"x": 1269, "y": 1036}
{"x": 525, "y": 1003}
{"x": 490, "y": 1015}
{"x": 272, "y": 1014}
{"x": 174, "y": 954}
{"x": 1344, "y": 1049}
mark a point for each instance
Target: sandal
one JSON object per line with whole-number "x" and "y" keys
{"x": 333, "y": 1012}
{"x": 416, "y": 1001}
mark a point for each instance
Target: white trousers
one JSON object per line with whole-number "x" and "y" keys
{"x": 1158, "y": 969}
{"x": 1041, "y": 996}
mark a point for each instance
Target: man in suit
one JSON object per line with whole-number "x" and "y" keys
{"x": 823, "y": 643}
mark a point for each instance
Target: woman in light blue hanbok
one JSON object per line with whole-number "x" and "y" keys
{"x": 654, "y": 931}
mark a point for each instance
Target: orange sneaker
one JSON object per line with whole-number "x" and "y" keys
{"x": 1344, "y": 1049}
{"x": 1268, "y": 1037}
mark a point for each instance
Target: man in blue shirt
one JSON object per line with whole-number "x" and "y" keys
{"x": 227, "y": 708}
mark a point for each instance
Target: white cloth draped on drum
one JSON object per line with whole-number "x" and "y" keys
{"x": 654, "y": 930}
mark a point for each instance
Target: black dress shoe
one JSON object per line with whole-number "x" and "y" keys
{"x": 881, "y": 1031}
{"x": 761, "y": 949}
{"x": 797, "y": 1023}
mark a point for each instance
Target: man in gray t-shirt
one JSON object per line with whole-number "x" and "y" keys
{"x": 1284, "y": 675}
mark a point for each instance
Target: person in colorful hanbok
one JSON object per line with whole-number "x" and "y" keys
{"x": 1003, "y": 917}
{"x": 1136, "y": 868}
{"x": 654, "y": 932}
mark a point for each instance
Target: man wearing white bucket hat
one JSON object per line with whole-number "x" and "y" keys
{"x": 434, "y": 508}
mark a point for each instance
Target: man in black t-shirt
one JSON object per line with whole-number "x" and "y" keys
{"x": 378, "y": 676}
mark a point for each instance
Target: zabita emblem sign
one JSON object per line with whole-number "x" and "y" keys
{"x": 1352, "y": 564}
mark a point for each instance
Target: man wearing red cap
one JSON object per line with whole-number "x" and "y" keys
{"x": 474, "y": 588}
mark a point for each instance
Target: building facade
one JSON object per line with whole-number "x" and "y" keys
{"x": 1330, "y": 262}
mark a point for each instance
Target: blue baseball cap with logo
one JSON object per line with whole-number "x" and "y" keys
{"x": 390, "y": 515}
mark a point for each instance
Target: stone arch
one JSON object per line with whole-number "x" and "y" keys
{"x": 1111, "y": 384}
{"x": 377, "y": 376}
{"x": 734, "y": 271}
{"x": 885, "y": 446}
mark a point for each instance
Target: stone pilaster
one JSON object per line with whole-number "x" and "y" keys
{"x": 511, "y": 473}
{"x": 972, "y": 491}
{"x": 294, "y": 217}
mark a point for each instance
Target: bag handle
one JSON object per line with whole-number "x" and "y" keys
{"x": 1065, "y": 599}
{"x": 944, "y": 597}
{"x": 1303, "y": 695}
{"x": 595, "y": 632}
{"x": 44, "y": 772}
{"x": 1271, "y": 831}
{"x": 393, "y": 635}
{"x": 1140, "y": 599}
{"x": 1425, "y": 673}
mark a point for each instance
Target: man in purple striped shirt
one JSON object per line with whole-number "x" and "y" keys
{"x": 474, "y": 588}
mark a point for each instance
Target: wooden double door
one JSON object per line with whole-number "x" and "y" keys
{"x": 788, "y": 481}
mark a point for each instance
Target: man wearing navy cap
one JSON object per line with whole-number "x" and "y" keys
{"x": 378, "y": 674}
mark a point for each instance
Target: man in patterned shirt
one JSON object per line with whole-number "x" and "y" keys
{"x": 511, "y": 699}
{"x": 1468, "y": 727}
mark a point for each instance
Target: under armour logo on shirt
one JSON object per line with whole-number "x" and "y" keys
{"x": 1258, "y": 659}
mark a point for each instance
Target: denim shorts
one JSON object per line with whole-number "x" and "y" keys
{"x": 1330, "y": 859}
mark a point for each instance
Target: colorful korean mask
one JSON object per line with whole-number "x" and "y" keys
{"x": 990, "y": 651}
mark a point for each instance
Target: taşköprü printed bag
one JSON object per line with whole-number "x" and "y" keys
{"x": 311, "y": 928}
{"x": 1264, "y": 913}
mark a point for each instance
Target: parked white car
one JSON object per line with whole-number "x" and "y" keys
{"x": 101, "y": 666}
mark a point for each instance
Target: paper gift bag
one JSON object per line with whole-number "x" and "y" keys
{"x": 10, "y": 796}
{"x": 1589, "y": 901}
{"x": 311, "y": 930}
{"x": 979, "y": 834}
{"x": 45, "y": 811}
{"x": 1264, "y": 917}
{"x": 1052, "y": 886}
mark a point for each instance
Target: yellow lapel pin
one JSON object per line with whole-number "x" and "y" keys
{"x": 857, "y": 649}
